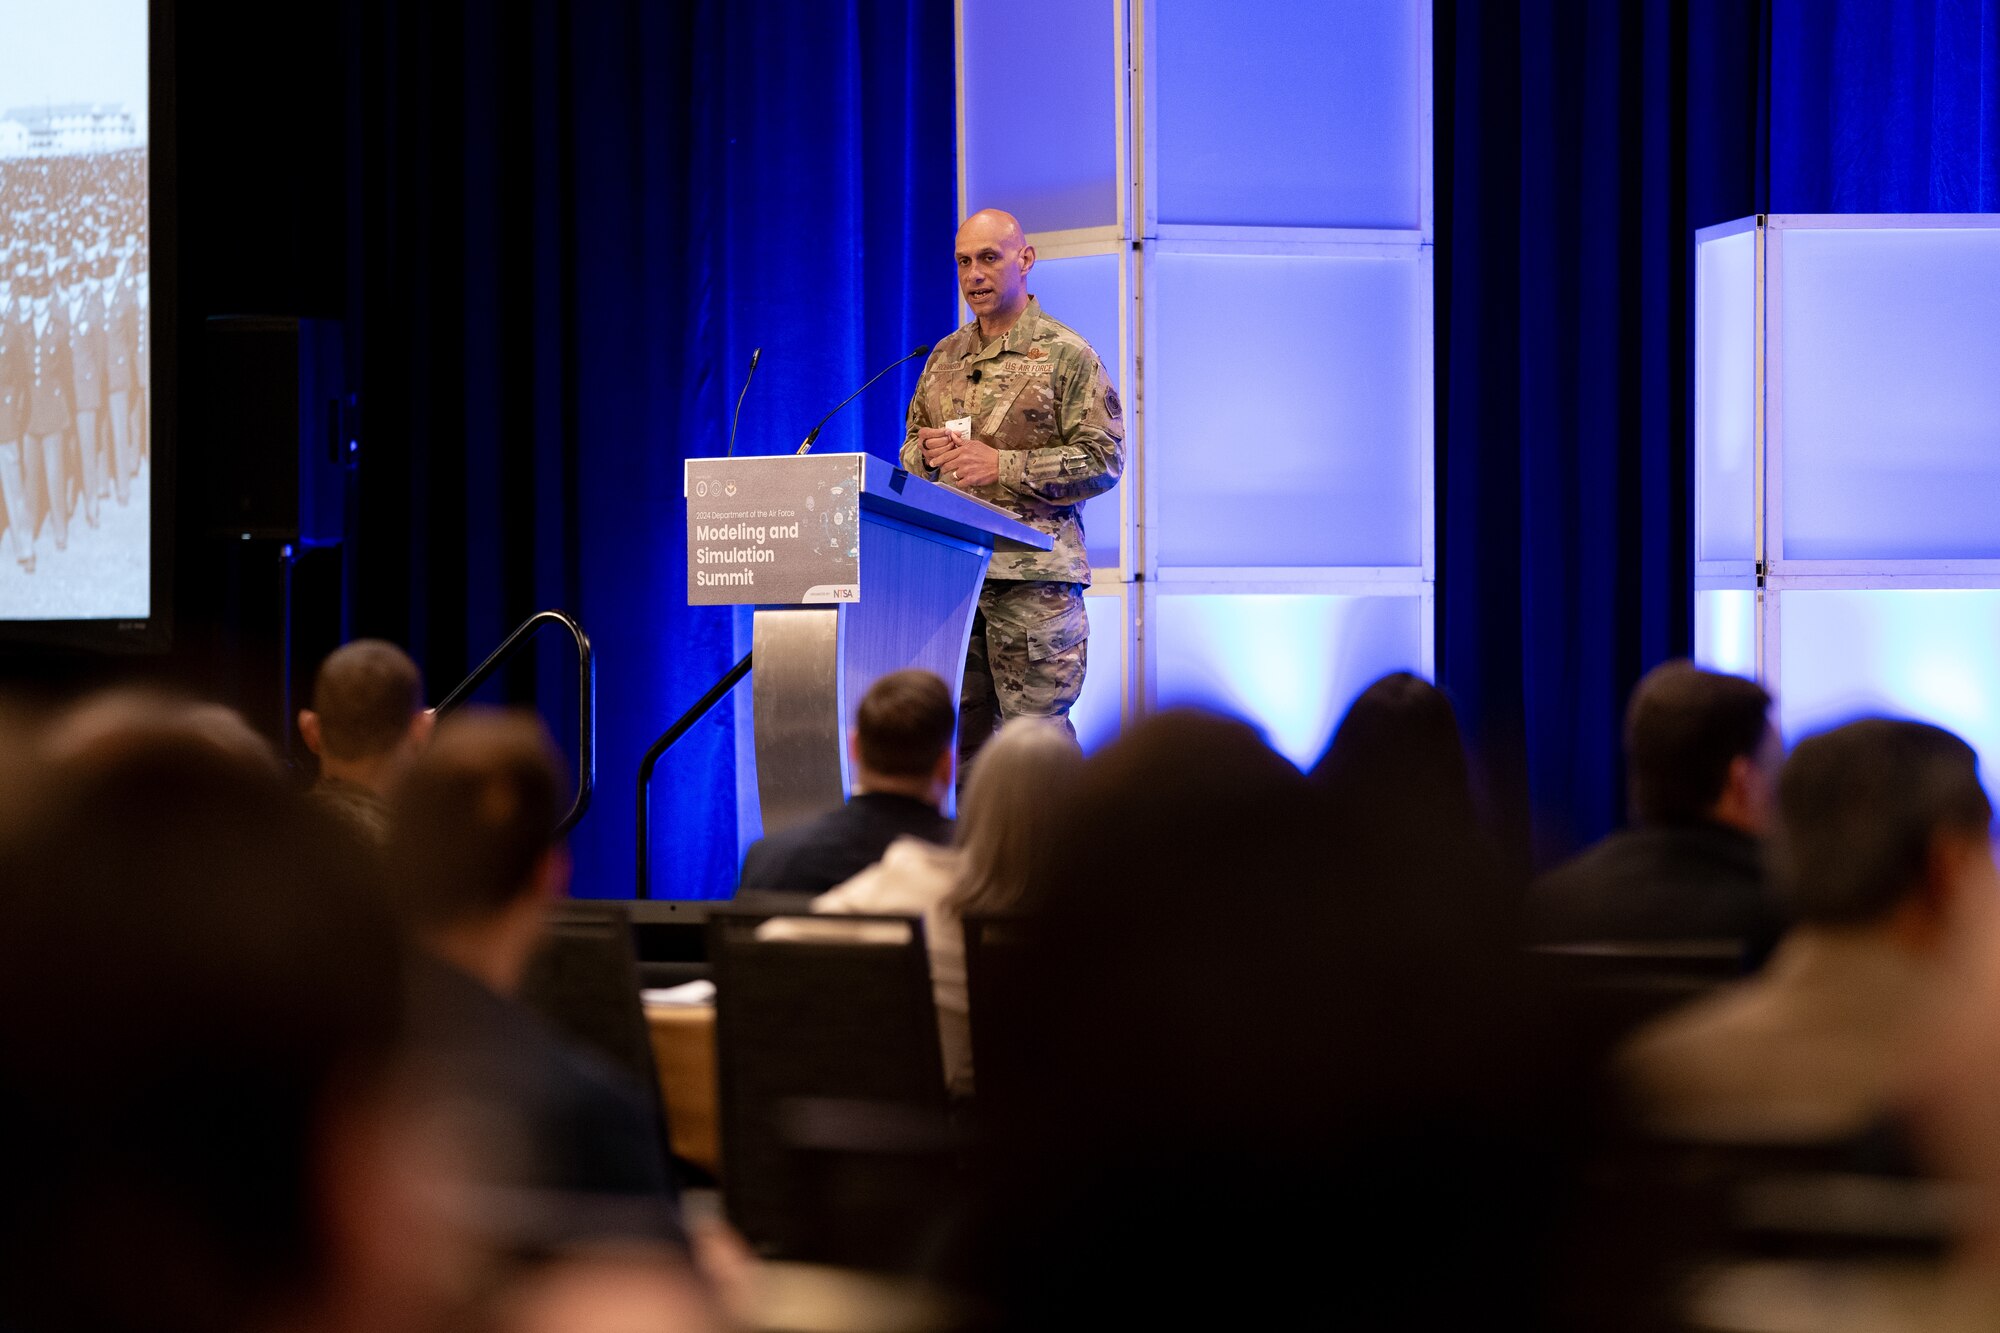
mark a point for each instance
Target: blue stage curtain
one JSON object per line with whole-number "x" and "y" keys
{"x": 1885, "y": 106}
{"x": 1579, "y": 146}
{"x": 569, "y": 224}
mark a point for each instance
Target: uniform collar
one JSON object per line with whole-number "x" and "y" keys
{"x": 1015, "y": 339}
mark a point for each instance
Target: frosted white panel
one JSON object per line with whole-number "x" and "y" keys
{"x": 1082, "y": 292}
{"x": 1932, "y": 655}
{"x": 1725, "y": 396}
{"x": 1725, "y": 630}
{"x": 1099, "y": 711}
{"x": 1293, "y": 113}
{"x": 1286, "y": 406}
{"x": 1891, "y": 389}
{"x": 1041, "y": 115}
{"x": 1289, "y": 663}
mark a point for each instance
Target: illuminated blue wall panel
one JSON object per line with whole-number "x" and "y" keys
{"x": 1287, "y": 403}
{"x": 1083, "y": 292}
{"x": 1255, "y": 108}
{"x": 1890, "y": 362}
{"x": 1099, "y": 713}
{"x": 1725, "y": 630}
{"x": 1041, "y": 81}
{"x": 1276, "y": 318}
{"x": 1290, "y": 663}
{"x": 1881, "y": 413}
{"x": 1725, "y": 377}
{"x": 1932, "y": 654}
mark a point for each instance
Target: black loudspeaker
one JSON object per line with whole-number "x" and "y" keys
{"x": 276, "y": 433}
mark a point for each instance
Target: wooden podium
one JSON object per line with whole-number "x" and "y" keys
{"x": 857, "y": 568}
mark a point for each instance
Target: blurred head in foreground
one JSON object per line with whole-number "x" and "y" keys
{"x": 474, "y": 844}
{"x": 198, "y": 1039}
{"x": 1029, "y": 769}
{"x": 1700, "y": 747}
{"x": 1878, "y": 821}
{"x": 1399, "y": 742}
{"x": 1272, "y": 1063}
{"x": 106, "y": 727}
{"x": 564, "y": 1149}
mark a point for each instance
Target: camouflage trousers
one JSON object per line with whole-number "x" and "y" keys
{"x": 1030, "y": 643}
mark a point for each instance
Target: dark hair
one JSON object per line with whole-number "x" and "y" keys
{"x": 905, "y": 724}
{"x": 473, "y": 815}
{"x": 1356, "y": 1036}
{"x": 1400, "y": 740}
{"x": 366, "y": 692}
{"x": 1683, "y": 729}
{"x": 1857, "y": 809}
{"x": 198, "y": 971}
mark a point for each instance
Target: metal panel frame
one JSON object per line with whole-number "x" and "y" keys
{"x": 1772, "y": 574}
{"x": 1138, "y": 234}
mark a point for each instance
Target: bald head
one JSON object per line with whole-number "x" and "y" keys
{"x": 993, "y": 261}
{"x": 992, "y": 226}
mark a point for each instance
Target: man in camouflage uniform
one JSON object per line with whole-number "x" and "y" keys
{"x": 1017, "y": 410}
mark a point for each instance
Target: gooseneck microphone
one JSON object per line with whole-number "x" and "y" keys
{"x": 748, "y": 375}
{"x": 813, "y": 434}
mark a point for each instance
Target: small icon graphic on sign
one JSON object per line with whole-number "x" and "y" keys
{"x": 729, "y": 489}
{"x": 701, "y": 489}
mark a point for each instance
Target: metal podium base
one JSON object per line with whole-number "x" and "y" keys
{"x": 813, "y": 663}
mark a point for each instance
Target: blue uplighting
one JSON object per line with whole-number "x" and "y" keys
{"x": 1931, "y": 654}
{"x": 1290, "y": 663}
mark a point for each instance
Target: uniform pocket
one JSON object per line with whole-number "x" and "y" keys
{"x": 1053, "y": 640}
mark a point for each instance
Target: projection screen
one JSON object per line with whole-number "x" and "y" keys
{"x": 77, "y": 465}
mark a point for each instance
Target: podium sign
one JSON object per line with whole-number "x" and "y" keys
{"x": 788, "y": 536}
{"x": 782, "y": 531}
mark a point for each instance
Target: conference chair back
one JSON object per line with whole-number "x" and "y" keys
{"x": 1606, "y": 989}
{"x": 836, "y": 1142}
{"x": 999, "y": 990}
{"x": 585, "y": 981}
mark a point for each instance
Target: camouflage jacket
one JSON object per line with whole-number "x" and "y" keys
{"x": 1043, "y": 400}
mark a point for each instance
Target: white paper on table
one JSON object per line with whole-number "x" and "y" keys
{"x": 687, "y": 994}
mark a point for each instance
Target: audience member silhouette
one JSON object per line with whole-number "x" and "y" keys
{"x": 1396, "y": 769}
{"x": 566, "y": 1148}
{"x": 1277, "y": 1076}
{"x": 1024, "y": 773}
{"x": 366, "y": 722}
{"x": 1701, "y": 758}
{"x": 903, "y": 765}
{"x": 202, "y": 1117}
{"x": 1882, "y": 829}
{"x": 1399, "y": 741}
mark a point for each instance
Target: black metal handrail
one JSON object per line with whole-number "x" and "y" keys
{"x": 680, "y": 728}
{"x": 586, "y": 699}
